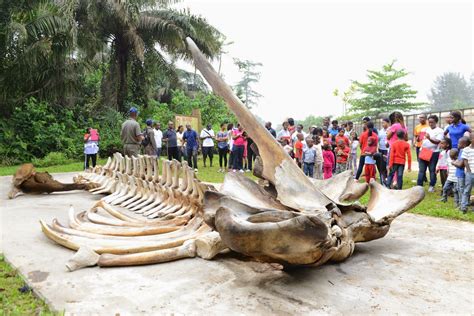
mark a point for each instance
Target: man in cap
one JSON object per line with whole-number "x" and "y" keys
{"x": 131, "y": 135}
{"x": 149, "y": 143}
{"x": 171, "y": 140}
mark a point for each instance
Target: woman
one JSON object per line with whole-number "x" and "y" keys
{"x": 397, "y": 122}
{"x": 222, "y": 147}
{"x": 91, "y": 146}
{"x": 457, "y": 128}
{"x": 429, "y": 152}
{"x": 238, "y": 148}
{"x": 383, "y": 149}
{"x": 179, "y": 137}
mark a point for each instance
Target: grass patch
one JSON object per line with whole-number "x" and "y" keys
{"x": 12, "y": 300}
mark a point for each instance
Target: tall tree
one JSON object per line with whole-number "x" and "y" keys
{"x": 244, "y": 88}
{"x": 383, "y": 93}
{"x": 134, "y": 28}
{"x": 451, "y": 91}
{"x": 36, "y": 54}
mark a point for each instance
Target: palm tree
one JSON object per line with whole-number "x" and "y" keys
{"x": 36, "y": 57}
{"x": 136, "y": 31}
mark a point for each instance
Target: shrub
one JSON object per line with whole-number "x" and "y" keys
{"x": 51, "y": 159}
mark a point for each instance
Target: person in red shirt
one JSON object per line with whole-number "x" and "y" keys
{"x": 299, "y": 149}
{"x": 342, "y": 154}
{"x": 341, "y": 136}
{"x": 363, "y": 139}
{"x": 369, "y": 161}
{"x": 399, "y": 151}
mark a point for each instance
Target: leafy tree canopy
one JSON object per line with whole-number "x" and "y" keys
{"x": 451, "y": 91}
{"x": 382, "y": 93}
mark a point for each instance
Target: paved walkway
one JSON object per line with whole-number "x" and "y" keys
{"x": 423, "y": 266}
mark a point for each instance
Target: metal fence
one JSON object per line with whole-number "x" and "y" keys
{"x": 411, "y": 120}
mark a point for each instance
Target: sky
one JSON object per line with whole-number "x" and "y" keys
{"x": 310, "y": 48}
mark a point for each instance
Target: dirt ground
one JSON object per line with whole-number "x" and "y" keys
{"x": 423, "y": 266}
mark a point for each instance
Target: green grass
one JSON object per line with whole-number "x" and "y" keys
{"x": 14, "y": 302}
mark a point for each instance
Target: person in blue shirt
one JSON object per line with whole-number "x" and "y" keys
{"x": 457, "y": 128}
{"x": 191, "y": 138}
{"x": 334, "y": 129}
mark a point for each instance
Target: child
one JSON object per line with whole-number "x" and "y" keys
{"x": 309, "y": 158}
{"x": 464, "y": 188}
{"x": 299, "y": 149}
{"x": 342, "y": 155}
{"x": 354, "y": 146}
{"x": 340, "y": 136}
{"x": 399, "y": 150}
{"x": 370, "y": 150}
{"x": 442, "y": 166}
{"x": 328, "y": 161}
{"x": 287, "y": 147}
{"x": 326, "y": 137}
{"x": 318, "y": 166}
{"x": 460, "y": 173}
{"x": 451, "y": 181}
{"x": 468, "y": 161}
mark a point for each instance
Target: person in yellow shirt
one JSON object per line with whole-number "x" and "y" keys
{"x": 419, "y": 136}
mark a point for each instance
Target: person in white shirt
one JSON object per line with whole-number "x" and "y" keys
{"x": 181, "y": 149}
{"x": 354, "y": 146}
{"x": 158, "y": 138}
{"x": 451, "y": 180}
{"x": 468, "y": 162}
{"x": 429, "y": 153}
{"x": 207, "y": 136}
{"x": 284, "y": 133}
{"x": 299, "y": 130}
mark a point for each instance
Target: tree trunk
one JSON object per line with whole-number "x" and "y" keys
{"x": 122, "y": 60}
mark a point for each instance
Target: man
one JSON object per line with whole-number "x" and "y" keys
{"x": 149, "y": 142}
{"x": 284, "y": 134}
{"x": 158, "y": 138}
{"x": 334, "y": 129}
{"x": 131, "y": 135}
{"x": 419, "y": 134}
{"x": 191, "y": 138}
{"x": 268, "y": 126}
{"x": 326, "y": 121}
{"x": 299, "y": 130}
{"x": 367, "y": 119}
{"x": 207, "y": 136}
{"x": 172, "y": 142}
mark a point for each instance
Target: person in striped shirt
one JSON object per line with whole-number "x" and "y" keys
{"x": 451, "y": 180}
{"x": 468, "y": 162}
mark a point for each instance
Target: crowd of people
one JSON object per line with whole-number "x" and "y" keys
{"x": 322, "y": 151}
{"x": 334, "y": 148}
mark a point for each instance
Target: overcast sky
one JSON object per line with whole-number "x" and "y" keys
{"x": 310, "y": 48}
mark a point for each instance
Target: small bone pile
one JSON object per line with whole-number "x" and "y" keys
{"x": 163, "y": 224}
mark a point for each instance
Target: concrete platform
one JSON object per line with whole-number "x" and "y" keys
{"x": 424, "y": 266}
